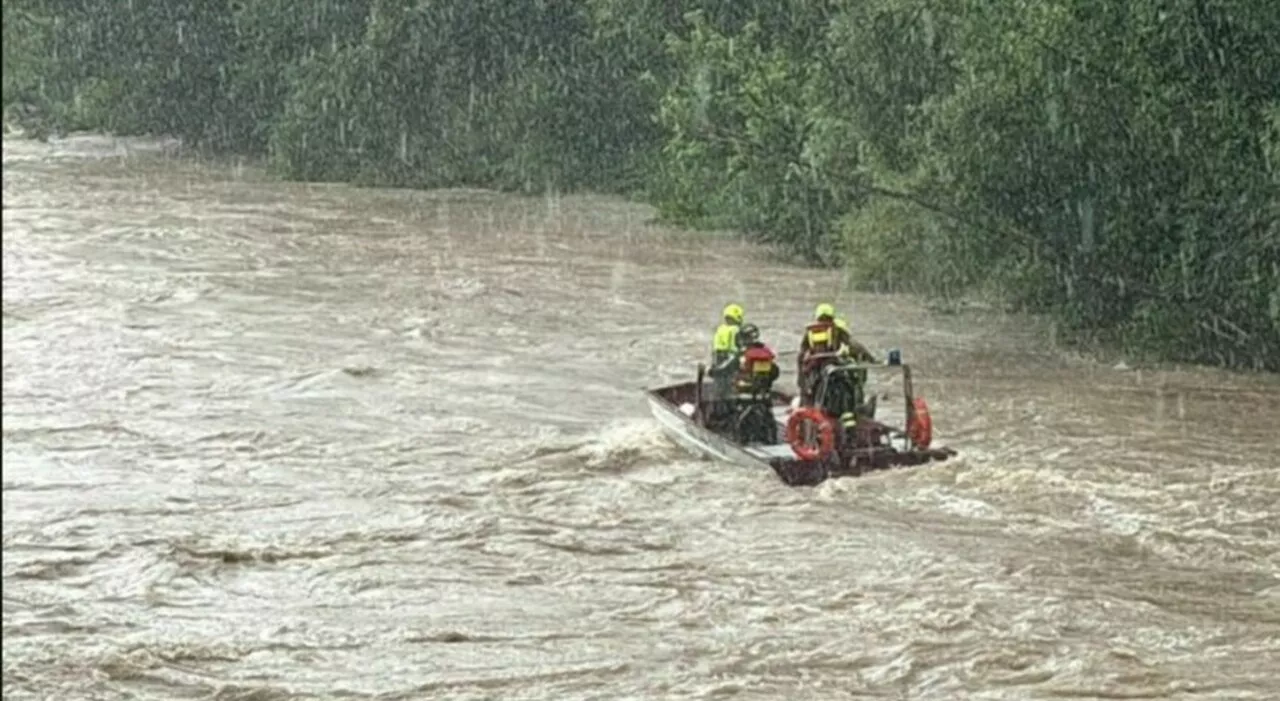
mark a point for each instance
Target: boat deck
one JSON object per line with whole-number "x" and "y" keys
{"x": 778, "y": 451}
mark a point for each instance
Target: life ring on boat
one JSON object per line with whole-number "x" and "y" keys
{"x": 826, "y": 434}
{"x": 919, "y": 425}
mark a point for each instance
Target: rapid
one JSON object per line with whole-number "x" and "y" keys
{"x": 269, "y": 441}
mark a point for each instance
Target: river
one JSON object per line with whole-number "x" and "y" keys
{"x": 268, "y": 441}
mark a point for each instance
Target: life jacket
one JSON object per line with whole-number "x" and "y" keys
{"x": 756, "y": 368}
{"x": 823, "y": 337}
{"x": 824, "y": 340}
{"x": 725, "y": 340}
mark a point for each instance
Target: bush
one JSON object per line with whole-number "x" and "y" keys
{"x": 1114, "y": 165}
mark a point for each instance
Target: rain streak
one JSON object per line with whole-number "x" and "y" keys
{"x": 330, "y": 330}
{"x": 285, "y": 441}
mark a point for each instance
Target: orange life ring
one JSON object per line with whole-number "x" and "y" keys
{"x": 826, "y": 434}
{"x": 920, "y": 426}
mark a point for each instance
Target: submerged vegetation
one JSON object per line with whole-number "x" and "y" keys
{"x": 1115, "y": 165}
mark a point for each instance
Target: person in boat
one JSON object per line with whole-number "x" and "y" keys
{"x": 758, "y": 364}
{"x": 753, "y": 385}
{"x": 826, "y": 341}
{"x": 724, "y": 345}
{"x": 725, "y": 351}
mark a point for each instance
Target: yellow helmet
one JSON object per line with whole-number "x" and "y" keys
{"x": 824, "y": 309}
{"x": 734, "y": 313}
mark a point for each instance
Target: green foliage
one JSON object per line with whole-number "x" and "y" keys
{"x": 1118, "y": 145}
{"x": 26, "y": 38}
{"x": 1115, "y": 165}
{"x": 748, "y": 146}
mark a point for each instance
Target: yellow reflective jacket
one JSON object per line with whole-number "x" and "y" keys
{"x": 724, "y": 344}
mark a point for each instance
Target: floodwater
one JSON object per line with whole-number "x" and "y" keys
{"x": 270, "y": 441}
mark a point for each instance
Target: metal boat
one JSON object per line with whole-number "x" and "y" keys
{"x": 683, "y": 410}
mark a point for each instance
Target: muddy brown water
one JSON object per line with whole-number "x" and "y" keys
{"x": 284, "y": 441}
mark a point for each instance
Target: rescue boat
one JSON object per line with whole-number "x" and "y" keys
{"x": 810, "y": 444}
